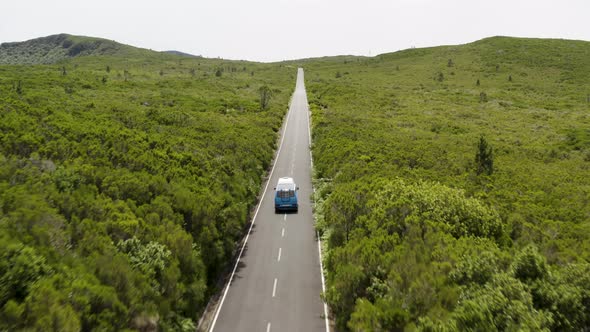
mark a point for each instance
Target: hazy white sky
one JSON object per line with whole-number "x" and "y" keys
{"x": 274, "y": 30}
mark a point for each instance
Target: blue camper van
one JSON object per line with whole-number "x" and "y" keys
{"x": 286, "y": 195}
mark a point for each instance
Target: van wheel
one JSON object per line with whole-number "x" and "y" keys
{"x": 277, "y": 211}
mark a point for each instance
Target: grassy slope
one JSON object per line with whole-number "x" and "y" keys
{"x": 413, "y": 115}
{"x": 125, "y": 182}
{"x": 162, "y": 150}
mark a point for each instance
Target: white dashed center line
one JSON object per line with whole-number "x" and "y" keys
{"x": 274, "y": 288}
{"x": 285, "y": 217}
{"x": 268, "y": 327}
{"x": 279, "y": 258}
{"x": 283, "y": 232}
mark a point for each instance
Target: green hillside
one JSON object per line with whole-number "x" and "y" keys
{"x": 125, "y": 181}
{"x": 55, "y": 48}
{"x": 453, "y": 188}
{"x": 452, "y": 183}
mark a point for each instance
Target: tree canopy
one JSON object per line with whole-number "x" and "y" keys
{"x": 123, "y": 191}
{"x": 442, "y": 210}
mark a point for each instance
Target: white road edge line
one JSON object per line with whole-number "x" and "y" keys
{"x": 323, "y": 283}
{"x": 274, "y": 288}
{"x": 254, "y": 218}
{"x": 317, "y": 233}
{"x": 279, "y": 258}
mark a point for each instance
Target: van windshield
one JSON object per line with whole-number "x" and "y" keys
{"x": 286, "y": 193}
{"x": 286, "y": 190}
{"x": 285, "y": 186}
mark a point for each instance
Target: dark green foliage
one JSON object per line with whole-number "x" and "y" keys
{"x": 529, "y": 266}
{"x": 414, "y": 238}
{"x": 484, "y": 157}
{"x": 503, "y": 304}
{"x": 69, "y": 89}
{"x": 20, "y": 268}
{"x": 476, "y": 266}
{"x": 123, "y": 193}
{"x": 18, "y": 88}
{"x": 151, "y": 259}
{"x": 381, "y": 316}
{"x": 483, "y": 97}
{"x": 383, "y": 237}
{"x": 265, "y": 95}
{"x": 578, "y": 139}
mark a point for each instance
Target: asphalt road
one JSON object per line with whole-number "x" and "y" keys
{"x": 277, "y": 281}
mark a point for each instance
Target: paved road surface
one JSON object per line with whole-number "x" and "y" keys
{"x": 277, "y": 283}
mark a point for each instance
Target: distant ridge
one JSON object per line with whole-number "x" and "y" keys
{"x": 182, "y": 54}
{"x": 55, "y": 48}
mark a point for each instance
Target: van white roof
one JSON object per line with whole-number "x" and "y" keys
{"x": 286, "y": 180}
{"x": 286, "y": 183}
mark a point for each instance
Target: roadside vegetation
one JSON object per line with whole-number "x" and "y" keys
{"x": 452, "y": 183}
{"x": 125, "y": 182}
{"x": 452, "y": 186}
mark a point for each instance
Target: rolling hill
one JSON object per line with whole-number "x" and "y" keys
{"x": 452, "y": 186}
{"x": 55, "y": 48}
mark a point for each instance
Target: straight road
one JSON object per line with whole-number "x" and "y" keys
{"x": 277, "y": 281}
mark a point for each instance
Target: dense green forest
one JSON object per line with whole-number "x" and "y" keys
{"x": 126, "y": 178}
{"x": 452, "y": 186}
{"x": 452, "y": 183}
